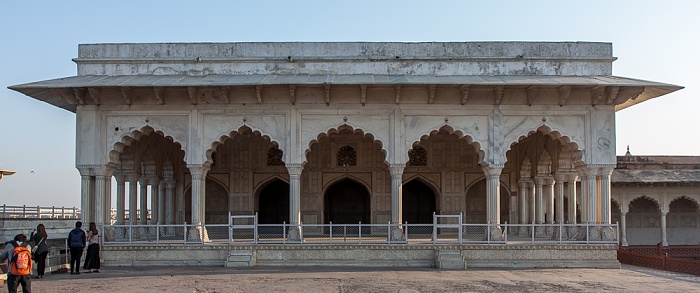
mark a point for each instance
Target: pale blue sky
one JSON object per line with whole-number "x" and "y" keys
{"x": 654, "y": 40}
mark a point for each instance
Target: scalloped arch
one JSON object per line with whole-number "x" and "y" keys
{"x": 683, "y": 197}
{"x": 337, "y": 130}
{"x": 460, "y": 135}
{"x": 645, "y": 197}
{"x": 434, "y": 186}
{"x": 129, "y": 138}
{"x": 554, "y": 133}
{"x": 346, "y": 177}
{"x": 233, "y": 133}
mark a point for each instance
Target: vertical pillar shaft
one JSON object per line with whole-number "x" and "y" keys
{"x": 101, "y": 189}
{"x": 85, "y": 192}
{"x": 584, "y": 197}
{"x": 199, "y": 176}
{"x": 522, "y": 194}
{"x": 605, "y": 194}
{"x": 571, "y": 194}
{"x": 161, "y": 202}
{"x": 170, "y": 200}
{"x": 133, "y": 195}
{"x": 549, "y": 197}
{"x": 664, "y": 242}
{"x": 155, "y": 193}
{"x": 294, "y": 192}
{"x": 143, "y": 201}
{"x": 623, "y": 226}
{"x": 121, "y": 199}
{"x": 559, "y": 194}
{"x": 532, "y": 202}
{"x": 592, "y": 196}
{"x": 539, "y": 211}
{"x": 493, "y": 193}
{"x": 396, "y": 172}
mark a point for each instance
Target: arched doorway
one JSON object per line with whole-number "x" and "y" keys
{"x": 273, "y": 203}
{"x": 418, "y": 203}
{"x": 643, "y": 222}
{"x": 215, "y": 206}
{"x": 347, "y": 202}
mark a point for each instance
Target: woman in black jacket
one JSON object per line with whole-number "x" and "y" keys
{"x": 41, "y": 250}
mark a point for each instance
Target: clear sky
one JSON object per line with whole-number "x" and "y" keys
{"x": 654, "y": 40}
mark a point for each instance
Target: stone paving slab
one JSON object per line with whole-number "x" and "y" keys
{"x": 337, "y": 279}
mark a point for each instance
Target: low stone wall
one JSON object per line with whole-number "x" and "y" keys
{"x": 481, "y": 256}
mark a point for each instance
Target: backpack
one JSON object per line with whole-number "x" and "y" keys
{"x": 21, "y": 263}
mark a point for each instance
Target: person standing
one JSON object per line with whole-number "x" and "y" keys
{"x": 41, "y": 249}
{"x": 92, "y": 258}
{"x": 76, "y": 243}
{"x": 18, "y": 273}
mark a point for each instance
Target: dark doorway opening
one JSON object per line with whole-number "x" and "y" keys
{"x": 273, "y": 203}
{"x": 347, "y": 202}
{"x": 418, "y": 206}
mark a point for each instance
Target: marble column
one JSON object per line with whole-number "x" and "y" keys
{"x": 532, "y": 202}
{"x": 493, "y": 198}
{"x": 133, "y": 198}
{"x": 584, "y": 195}
{"x": 155, "y": 187}
{"x": 539, "y": 210}
{"x": 623, "y": 223}
{"x": 522, "y": 194}
{"x": 294, "y": 201}
{"x": 396, "y": 172}
{"x": 199, "y": 177}
{"x": 592, "y": 196}
{"x": 548, "y": 194}
{"x": 559, "y": 194}
{"x": 161, "y": 202}
{"x": 102, "y": 199}
{"x": 571, "y": 195}
{"x": 170, "y": 201}
{"x": 605, "y": 193}
{"x": 664, "y": 212}
{"x": 121, "y": 199}
{"x": 86, "y": 192}
{"x": 143, "y": 201}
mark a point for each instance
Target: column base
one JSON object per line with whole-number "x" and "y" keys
{"x": 198, "y": 234}
{"x": 496, "y": 233}
{"x": 397, "y": 234}
{"x": 294, "y": 234}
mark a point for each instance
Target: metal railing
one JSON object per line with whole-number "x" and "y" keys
{"x": 29, "y": 212}
{"x": 236, "y": 233}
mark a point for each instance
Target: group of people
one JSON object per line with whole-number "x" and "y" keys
{"x": 20, "y": 253}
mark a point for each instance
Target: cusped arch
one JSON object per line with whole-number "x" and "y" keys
{"x": 460, "y": 136}
{"x": 684, "y": 197}
{"x": 128, "y": 139}
{"x": 350, "y": 177}
{"x": 556, "y": 134}
{"x": 245, "y": 129}
{"x": 340, "y": 128}
{"x": 422, "y": 179}
{"x": 644, "y": 197}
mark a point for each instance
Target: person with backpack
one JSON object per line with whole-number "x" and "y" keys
{"x": 41, "y": 250}
{"x": 76, "y": 243}
{"x": 18, "y": 254}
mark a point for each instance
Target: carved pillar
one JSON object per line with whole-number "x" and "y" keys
{"x": 623, "y": 223}
{"x": 121, "y": 199}
{"x": 143, "y": 201}
{"x": 493, "y": 198}
{"x": 548, "y": 194}
{"x": 396, "y": 172}
{"x": 571, "y": 194}
{"x": 133, "y": 195}
{"x": 103, "y": 198}
{"x": 522, "y": 194}
{"x": 592, "y": 196}
{"x": 539, "y": 210}
{"x": 161, "y": 202}
{"x": 559, "y": 194}
{"x": 605, "y": 173}
{"x": 170, "y": 201}
{"x": 86, "y": 194}
{"x": 664, "y": 212}
{"x": 532, "y": 202}
{"x": 199, "y": 177}
{"x": 155, "y": 193}
{"x": 295, "y": 200}
{"x": 583, "y": 195}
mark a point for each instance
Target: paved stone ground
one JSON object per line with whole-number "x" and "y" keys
{"x": 322, "y": 279}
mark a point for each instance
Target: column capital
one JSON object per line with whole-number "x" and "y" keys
{"x": 198, "y": 170}
{"x": 624, "y": 209}
{"x": 559, "y": 177}
{"x": 524, "y": 183}
{"x": 294, "y": 169}
{"x": 571, "y": 177}
{"x": 396, "y": 169}
{"x": 605, "y": 170}
{"x": 492, "y": 169}
{"x": 132, "y": 177}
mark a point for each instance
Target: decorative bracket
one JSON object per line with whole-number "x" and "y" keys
{"x": 564, "y": 94}
{"x": 192, "y": 92}
{"x": 79, "y": 94}
{"x": 159, "y": 94}
{"x": 498, "y": 91}
{"x": 465, "y": 93}
{"x": 397, "y": 88}
{"x": 69, "y": 97}
{"x": 327, "y": 88}
{"x": 224, "y": 94}
{"x": 363, "y": 93}
{"x": 431, "y": 93}
{"x": 258, "y": 93}
{"x": 531, "y": 94}
{"x": 597, "y": 93}
{"x": 126, "y": 94}
{"x": 611, "y": 93}
{"x": 292, "y": 94}
{"x": 94, "y": 94}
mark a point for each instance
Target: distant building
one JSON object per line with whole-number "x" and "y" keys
{"x": 655, "y": 198}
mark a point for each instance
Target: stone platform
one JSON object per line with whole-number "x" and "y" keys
{"x": 419, "y": 255}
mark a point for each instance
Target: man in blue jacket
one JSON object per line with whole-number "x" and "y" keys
{"x": 76, "y": 243}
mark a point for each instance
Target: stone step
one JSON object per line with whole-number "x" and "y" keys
{"x": 450, "y": 259}
{"x": 240, "y": 258}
